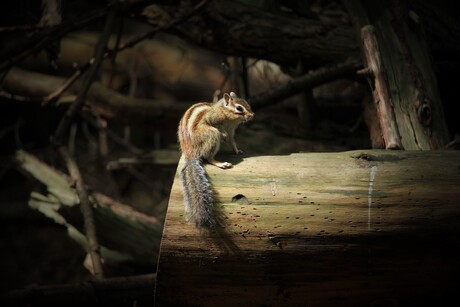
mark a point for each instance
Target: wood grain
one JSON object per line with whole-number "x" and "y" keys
{"x": 350, "y": 228}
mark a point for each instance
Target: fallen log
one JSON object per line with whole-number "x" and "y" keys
{"x": 109, "y": 102}
{"x": 351, "y": 228}
{"x": 127, "y": 237}
{"x": 308, "y": 40}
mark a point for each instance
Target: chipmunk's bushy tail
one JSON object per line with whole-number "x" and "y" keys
{"x": 198, "y": 194}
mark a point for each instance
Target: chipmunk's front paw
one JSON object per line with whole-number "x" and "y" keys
{"x": 224, "y": 165}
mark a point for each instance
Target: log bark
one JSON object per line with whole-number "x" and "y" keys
{"x": 109, "y": 102}
{"x": 382, "y": 97}
{"x": 369, "y": 114}
{"x": 353, "y": 228}
{"x": 241, "y": 29}
{"x": 405, "y": 83}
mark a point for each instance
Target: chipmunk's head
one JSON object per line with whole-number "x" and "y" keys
{"x": 238, "y": 107}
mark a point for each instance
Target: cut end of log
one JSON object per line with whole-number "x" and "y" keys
{"x": 393, "y": 146}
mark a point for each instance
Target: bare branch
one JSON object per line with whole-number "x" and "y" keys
{"x": 381, "y": 91}
{"x": 54, "y": 96}
{"x": 57, "y": 93}
{"x": 172, "y": 23}
{"x": 109, "y": 102}
{"x": 89, "y": 78}
{"x": 19, "y": 28}
{"x": 112, "y": 135}
{"x": 311, "y": 79}
{"x": 44, "y": 38}
{"x": 108, "y": 53}
{"x": 85, "y": 205}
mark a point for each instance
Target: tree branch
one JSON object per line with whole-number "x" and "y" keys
{"x": 55, "y": 94}
{"x": 89, "y": 78}
{"x": 381, "y": 91}
{"x": 311, "y": 79}
{"x": 92, "y": 121}
{"x": 85, "y": 204}
{"x": 122, "y": 107}
{"x": 46, "y": 98}
{"x": 42, "y": 39}
{"x": 85, "y": 207}
{"x": 170, "y": 24}
{"x": 109, "y": 102}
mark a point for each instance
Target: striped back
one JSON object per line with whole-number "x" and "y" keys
{"x": 189, "y": 122}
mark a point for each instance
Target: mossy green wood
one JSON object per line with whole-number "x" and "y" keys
{"x": 318, "y": 228}
{"x": 126, "y": 236}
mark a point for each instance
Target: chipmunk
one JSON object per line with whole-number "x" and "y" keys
{"x": 200, "y": 132}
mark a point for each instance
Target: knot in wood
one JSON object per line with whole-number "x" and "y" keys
{"x": 240, "y": 198}
{"x": 424, "y": 113}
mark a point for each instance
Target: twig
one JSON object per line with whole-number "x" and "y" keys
{"x": 92, "y": 121}
{"x": 227, "y": 73}
{"x": 108, "y": 101}
{"x": 57, "y": 93}
{"x": 15, "y": 97}
{"x": 113, "y": 57}
{"x": 312, "y": 79}
{"x": 53, "y": 96}
{"x": 21, "y": 28}
{"x": 53, "y": 34}
{"x": 169, "y": 25}
{"x": 82, "y": 69}
{"x": 85, "y": 205}
{"x": 72, "y": 136}
{"x": 454, "y": 144}
{"x": 87, "y": 81}
{"x": 245, "y": 76}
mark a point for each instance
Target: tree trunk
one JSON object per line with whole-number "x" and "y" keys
{"x": 353, "y": 228}
{"x": 404, "y": 84}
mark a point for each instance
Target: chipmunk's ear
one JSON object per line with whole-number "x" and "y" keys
{"x": 233, "y": 95}
{"x": 226, "y": 98}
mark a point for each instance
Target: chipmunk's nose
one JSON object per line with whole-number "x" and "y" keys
{"x": 250, "y": 116}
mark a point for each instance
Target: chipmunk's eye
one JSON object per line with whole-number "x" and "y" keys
{"x": 239, "y": 108}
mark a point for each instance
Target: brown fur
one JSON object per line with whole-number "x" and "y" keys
{"x": 211, "y": 121}
{"x": 200, "y": 132}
